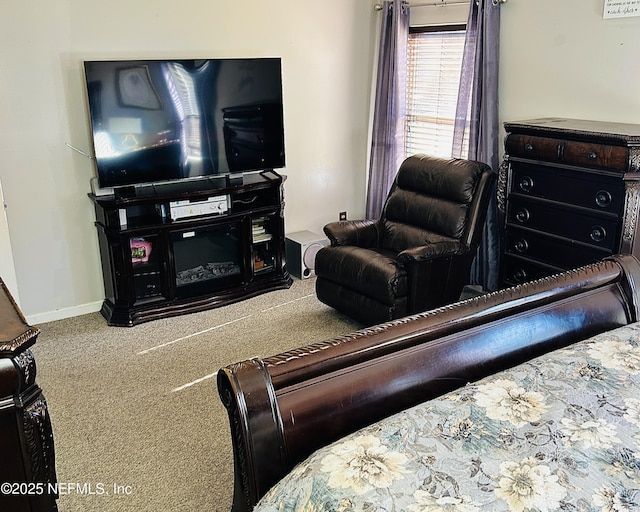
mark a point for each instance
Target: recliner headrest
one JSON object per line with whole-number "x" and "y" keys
{"x": 451, "y": 179}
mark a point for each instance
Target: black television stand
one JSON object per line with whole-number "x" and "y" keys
{"x": 161, "y": 258}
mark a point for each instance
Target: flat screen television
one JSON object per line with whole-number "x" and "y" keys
{"x": 163, "y": 120}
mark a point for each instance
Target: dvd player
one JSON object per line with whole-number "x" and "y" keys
{"x": 211, "y": 206}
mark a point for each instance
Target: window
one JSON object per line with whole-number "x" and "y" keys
{"x": 433, "y": 77}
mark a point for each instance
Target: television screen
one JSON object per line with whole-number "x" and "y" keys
{"x": 159, "y": 120}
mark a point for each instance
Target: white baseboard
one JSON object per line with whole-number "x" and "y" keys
{"x": 60, "y": 314}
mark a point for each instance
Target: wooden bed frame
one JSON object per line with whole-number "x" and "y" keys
{"x": 284, "y": 407}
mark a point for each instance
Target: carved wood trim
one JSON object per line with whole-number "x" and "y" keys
{"x": 634, "y": 159}
{"x": 529, "y": 288}
{"x": 15, "y": 333}
{"x": 631, "y": 211}
{"x": 26, "y": 338}
{"x": 39, "y": 441}
{"x": 25, "y": 362}
{"x": 501, "y": 193}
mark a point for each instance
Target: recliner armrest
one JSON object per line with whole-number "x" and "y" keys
{"x": 361, "y": 233}
{"x": 431, "y": 251}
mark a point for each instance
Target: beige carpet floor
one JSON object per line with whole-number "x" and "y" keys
{"x": 138, "y": 425}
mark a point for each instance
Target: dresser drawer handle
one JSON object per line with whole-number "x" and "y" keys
{"x": 528, "y": 146}
{"x": 603, "y": 198}
{"x": 519, "y": 275}
{"x": 522, "y": 215}
{"x": 592, "y": 155}
{"x": 598, "y": 234}
{"x": 521, "y": 245}
{"x": 525, "y": 184}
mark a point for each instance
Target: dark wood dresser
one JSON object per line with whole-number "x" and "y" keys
{"x": 27, "y": 471}
{"x": 569, "y": 194}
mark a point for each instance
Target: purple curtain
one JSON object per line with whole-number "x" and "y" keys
{"x": 387, "y": 148}
{"x": 477, "y": 119}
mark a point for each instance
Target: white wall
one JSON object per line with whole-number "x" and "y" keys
{"x": 7, "y": 267}
{"x": 558, "y": 58}
{"x": 327, "y": 52}
{"x": 561, "y": 58}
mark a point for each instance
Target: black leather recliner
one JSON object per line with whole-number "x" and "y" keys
{"x": 418, "y": 255}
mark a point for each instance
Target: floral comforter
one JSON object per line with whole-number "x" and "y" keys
{"x": 560, "y": 432}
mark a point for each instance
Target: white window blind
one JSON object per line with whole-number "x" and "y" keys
{"x": 433, "y": 77}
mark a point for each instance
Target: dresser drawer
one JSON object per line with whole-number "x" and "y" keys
{"x": 572, "y": 224}
{"x": 518, "y": 270}
{"x": 596, "y": 155}
{"x": 534, "y": 148}
{"x": 571, "y": 187}
{"x": 550, "y": 250}
{"x": 549, "y": 149}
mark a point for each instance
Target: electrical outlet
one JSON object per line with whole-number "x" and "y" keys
{"x": 343, "y": 215}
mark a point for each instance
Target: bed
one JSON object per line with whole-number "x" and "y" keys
{"x": 522, "y": 399}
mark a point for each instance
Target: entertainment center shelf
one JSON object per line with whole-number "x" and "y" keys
{"x": 176, "y": 248}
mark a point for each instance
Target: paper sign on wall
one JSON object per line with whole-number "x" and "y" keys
{"x": 621, "y": 8}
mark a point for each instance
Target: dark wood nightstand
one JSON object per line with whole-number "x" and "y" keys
{"x": 27, "y": 472}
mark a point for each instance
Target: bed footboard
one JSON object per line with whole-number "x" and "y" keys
{"x": 284, "y": 407}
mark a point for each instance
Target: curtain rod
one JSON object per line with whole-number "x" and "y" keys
{"x": 442, "y": 3}
{"x": 378, "y": 7}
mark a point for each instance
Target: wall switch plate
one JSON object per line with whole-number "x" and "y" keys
{"x": 343, "y": 215}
